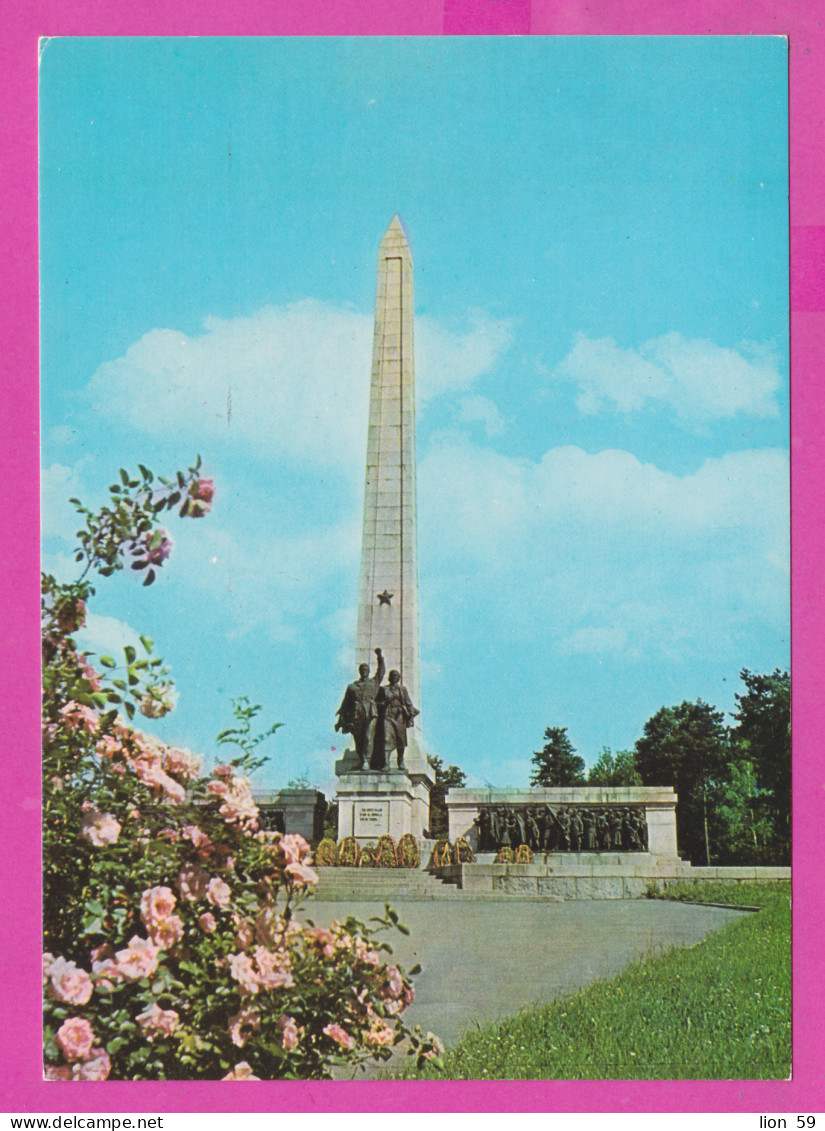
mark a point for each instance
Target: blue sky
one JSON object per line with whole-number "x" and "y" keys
{"x": 599, "y": 232}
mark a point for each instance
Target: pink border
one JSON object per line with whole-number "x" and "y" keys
{"x": 23, "y": 1090}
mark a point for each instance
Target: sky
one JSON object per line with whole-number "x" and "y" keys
{"x": 600, "y": 245}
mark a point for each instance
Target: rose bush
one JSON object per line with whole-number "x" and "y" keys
{"x": 172, "y": 948}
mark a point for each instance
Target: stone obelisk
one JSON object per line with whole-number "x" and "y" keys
{"x": 388, "y": 592}
{"x": 392, "y": 801}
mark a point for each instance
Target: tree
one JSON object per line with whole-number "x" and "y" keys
{"x": 618, "y": 770}
{"x": 449, "y": 777}
{"x": 557, "y": 763}
{"x": 686, "y": 747}
{"x": 763, "y": 737}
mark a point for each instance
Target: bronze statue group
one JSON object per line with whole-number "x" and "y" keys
{"x": 569, "y": 828}
{"x": 377, "y": 717}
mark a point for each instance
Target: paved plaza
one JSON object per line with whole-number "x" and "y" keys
{"x": 482, "y": 961}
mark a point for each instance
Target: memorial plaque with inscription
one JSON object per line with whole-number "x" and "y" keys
{"x": 372, "y": 818}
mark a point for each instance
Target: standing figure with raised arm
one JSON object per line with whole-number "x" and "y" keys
{"x": 358, "y": 713}
{"x": 395, "y": 715}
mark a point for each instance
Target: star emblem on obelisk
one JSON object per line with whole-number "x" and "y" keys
{"x": 384, "y": 598}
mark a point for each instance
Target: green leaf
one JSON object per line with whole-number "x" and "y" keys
{"x": 415, "y": 970}
{"x": 404, "y": 930}
{"x": 150, "y": 577}
{"x": 146, "y": 473}
{"x": 108, "y": 662}
{"x": 129, "y": 708}
{"x": 147, "y": 643}
{"x": 124, "y": 477}
{"x": 119, "y": 684}
{"x": 130, "y": 654}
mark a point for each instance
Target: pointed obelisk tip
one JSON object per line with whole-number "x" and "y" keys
{"x": 396, "y": 226}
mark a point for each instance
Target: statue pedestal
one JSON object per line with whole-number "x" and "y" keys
{"x": 373, "y": 803}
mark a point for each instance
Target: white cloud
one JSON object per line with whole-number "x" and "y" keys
{"x": 701, "y": 381}
{"x": 447, "y": 361}
{"x": 106, "y": 635}
{"x": 481, "y": 410}
{"x": 287, "y": 381}
{"x": 57, "y": 485}
{"x": 602, "y": 554}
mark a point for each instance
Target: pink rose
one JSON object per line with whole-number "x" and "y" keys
{"x": 243, "y": 1025}
{"x": 99, "y": 828}
{"x": 395, "y": 983}
{"x": 69, "y": 983}
{"x": 294, "y": 848}
{"x": 224, "y": 771}
{"x": 138, "y": 960}
{"x": 75, "y": 716}
{"x": 289, "y": 1032}
{"x": 167, "y": 933}
{"x": 192, "y": 883}
{"x": 301, "y": 874}
{"x": 379, "y": 1034}
{"x": 207, "y": 923}
{"x": 243, "y": 971}
{"x": 218, "y": 893}
{"x": 198, "y": 837}
{"x": 340, "y": 1035}
{"x": 217, "y": 787}
{"x": 156, "y": 1021}
{"x": 156, "y": 904}
{"x": 273, "y": 966}
{"x": 241, "y": 1071}
{"x": 97, "y": 1067}
{"x": 183, "y": 762}
{"x": 245, "y": 933}
{"x": 158, "y": 545}
{"x": 198, "y": 501}
{"x": 75, "y": 1038}
{"x": 63, "y": 1072}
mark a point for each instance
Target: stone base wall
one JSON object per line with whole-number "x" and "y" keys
{"x": 626, "y": 877}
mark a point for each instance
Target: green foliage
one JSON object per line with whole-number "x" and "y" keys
{"x": 686, "y": 747}
{"x": 241, "y": 735}
{"x": 717, "y": 1011}
{"x": 446, "y": 777}
{"x": 618, "y": 769}
{"x": 739, "y": 893}
{"x": 557, "y": 763}
{"x": 331, "y": 822}
{"x": 763, "y": 737}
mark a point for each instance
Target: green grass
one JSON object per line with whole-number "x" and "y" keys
{"x": 718, "y": 1010}
{"x": 744, "y": 893}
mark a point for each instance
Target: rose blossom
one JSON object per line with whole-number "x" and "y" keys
{"x": 379, "y": 1034}
{"x": 192, "y": 882}
{"x": 198, "y": 501}
{"x": 69, "y": 983}
{"x": 158, "y": 545}
{"x": 395, "y": 983}
{"x": 274, "y": 968}
{"x": 63, "y": 1072}
{"x": 294, "y": 848}
{"x": 301, "y": 874}
{"x": 156, "y": 1021}
{"x": 75, "y": 1038}
{"x": 138, "y": 960}
{"x": 244, "y": 972}
{"x": 167, "y": 933}
{"x": 75, "y": 715}
{"x": 159, "y": 700}
{"x": 207, "y": 923}
{"x": 241, "y": 1071}
{"x": 218, "y": 893}
{"x": 99, "y": 828}
{"x": 340, "y": 1035}
{"x": 179, "y": 761}
{"x": 290, "y": 1032}
{"x": 243, "y": 1025}
{"x": 156, "y": 904}
{"x": 245, "y": 933}
{"x": 97, "y": 1067}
